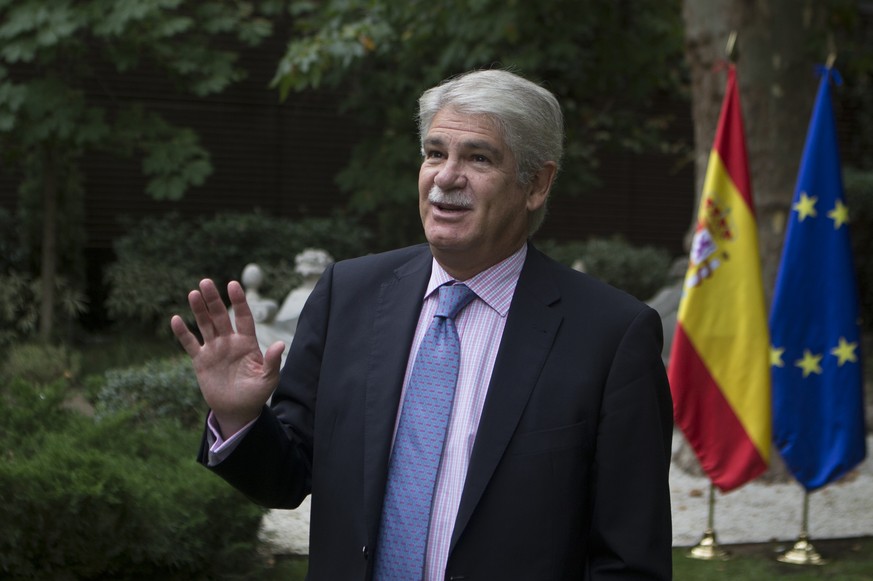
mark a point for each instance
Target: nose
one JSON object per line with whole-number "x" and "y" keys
{"x": 450, "y": 176}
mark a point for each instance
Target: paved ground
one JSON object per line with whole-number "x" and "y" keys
{"x": 760, "y": 512}
{"x": 754, "y": 513}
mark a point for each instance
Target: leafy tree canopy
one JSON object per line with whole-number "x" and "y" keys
{"x": 55, "y": 105}
{"x": 50, "y": 54}
{"x": 606, "y": 61}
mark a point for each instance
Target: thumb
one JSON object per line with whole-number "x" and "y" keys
{"x": 273, "y": 359}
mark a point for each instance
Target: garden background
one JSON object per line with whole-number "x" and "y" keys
{"x": 147, "y": 144}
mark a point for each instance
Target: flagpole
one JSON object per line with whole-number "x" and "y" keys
{"x": 707, "y": 548}
{"x": 802, "y": 553}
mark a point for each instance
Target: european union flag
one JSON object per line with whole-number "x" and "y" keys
{"x": 818, "y": 407}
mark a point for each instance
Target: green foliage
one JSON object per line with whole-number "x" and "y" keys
{"x": 859, "y": 197}
{"x": 21, "y": 290}
{"x": 159, "y": 389}
{"x": 124, "y": 347}
{"x": 104, "y": 500}
{"x": 51, "y": 114}
{"x": 112, "y": 498}
{"x": 160, "y": 260}
{"x": 32, "y": 211}
{"x": 40, "y": 364}
{"x": 606, "y": 61}
{"x": 638, "y": 270}
{"x": 20, "y": 297}
{"x": 172, "y": 157}
{"x": 26, "y": 410}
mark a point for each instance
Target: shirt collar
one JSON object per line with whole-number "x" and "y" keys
{"x": 494, "y": 286}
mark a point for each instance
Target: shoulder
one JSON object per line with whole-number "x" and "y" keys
{"x": 378, "y": 266}
{"x": 578, "y": 288}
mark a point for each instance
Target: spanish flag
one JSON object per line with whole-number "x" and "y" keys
{"x": 720, "y": 360}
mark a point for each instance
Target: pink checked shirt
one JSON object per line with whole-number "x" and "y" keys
{"x": 480, "y": 328}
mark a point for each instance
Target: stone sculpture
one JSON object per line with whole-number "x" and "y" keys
{"x": 272, "y": 321}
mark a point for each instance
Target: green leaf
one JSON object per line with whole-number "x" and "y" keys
{"x": 175, "y": 164}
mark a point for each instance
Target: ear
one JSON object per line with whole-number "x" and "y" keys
{"x": 541, "y": 185}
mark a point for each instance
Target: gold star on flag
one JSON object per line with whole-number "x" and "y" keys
{"x": 809, "y": 363}
{"x": 845, "y": 351}
{"x": 776, "y": 356}
{"x": 840, "y": 214}
{"x": 805, "y": 207}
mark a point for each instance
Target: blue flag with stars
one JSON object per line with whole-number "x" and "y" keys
{"x": 818, "y": 392}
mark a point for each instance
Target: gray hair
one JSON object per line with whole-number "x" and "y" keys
{"x": 527, "y": 116}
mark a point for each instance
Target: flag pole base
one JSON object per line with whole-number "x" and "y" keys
{"x": 802, "y": 553}
{"x": 708, "y": 549}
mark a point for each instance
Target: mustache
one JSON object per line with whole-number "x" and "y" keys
{"x": 456, "y": 198}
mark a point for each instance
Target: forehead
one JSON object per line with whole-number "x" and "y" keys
{"x": 452, "y": 124}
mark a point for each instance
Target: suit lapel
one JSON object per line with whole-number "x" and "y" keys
{"x": 396, "y": 317}
{"x": 527, "y": 338}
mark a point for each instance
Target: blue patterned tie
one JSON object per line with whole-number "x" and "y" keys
{"x": 418, "y": 445}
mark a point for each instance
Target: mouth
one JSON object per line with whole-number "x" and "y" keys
{"x": 450, "y": 208}
{"x": 449, "y": 202}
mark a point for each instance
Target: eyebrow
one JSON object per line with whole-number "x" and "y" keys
{"x": 470, "y": 144}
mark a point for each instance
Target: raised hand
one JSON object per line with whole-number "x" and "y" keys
{"x": 235, "y": 379}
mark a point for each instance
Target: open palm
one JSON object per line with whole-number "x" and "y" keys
{"x": 235, "y": 378}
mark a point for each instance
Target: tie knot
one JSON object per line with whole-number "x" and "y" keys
{"x": 453, "y": 298}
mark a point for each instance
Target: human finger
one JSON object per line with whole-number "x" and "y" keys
{"x": 184, "y": 335}
{"x": 217, "y": 310}
{"x": 273, "y": 360}
{"x": 242, "y": 314}
{"x": 201, "y": 315}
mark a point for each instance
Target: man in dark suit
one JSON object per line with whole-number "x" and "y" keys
{"x": 555, "y": 458}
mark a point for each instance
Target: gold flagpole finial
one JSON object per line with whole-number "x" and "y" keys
{"x": 730, "y": 50}
{"x": 832, "y": 51}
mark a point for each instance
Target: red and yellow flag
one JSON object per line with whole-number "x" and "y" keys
{"x": 720, "y": 360}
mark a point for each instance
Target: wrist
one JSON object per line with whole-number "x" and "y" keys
{"x": 230, "y": 424}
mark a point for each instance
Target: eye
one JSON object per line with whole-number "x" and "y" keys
{"x": 479, "y": 158}
{"x": 433, "y": 154}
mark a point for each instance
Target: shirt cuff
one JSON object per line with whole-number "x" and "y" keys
{"x": 219, "y": 448}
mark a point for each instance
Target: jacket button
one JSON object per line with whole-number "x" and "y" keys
{"x": 365, "y": 551}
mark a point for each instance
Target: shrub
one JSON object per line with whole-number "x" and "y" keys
{"x": 112, "y": 498}
{"x": 20, "y": 289}
{"x": 27, "y": 410}
{"x": 104, "y": 500}
{"x": 638, "y": 270}
{"x": 20, "y": 296}
{"x": 160, "y": 259}
{"x": 158, "y": 390}
{"x": 40, "y": 364}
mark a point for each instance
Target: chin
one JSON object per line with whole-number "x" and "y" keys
{"x": 442, "y": 236}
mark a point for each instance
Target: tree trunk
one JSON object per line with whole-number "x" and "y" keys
{"x": 775, "y": 71}
{"x": 49, "y": 247}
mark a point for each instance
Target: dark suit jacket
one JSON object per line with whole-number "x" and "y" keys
{"x": 568, "y": 475}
